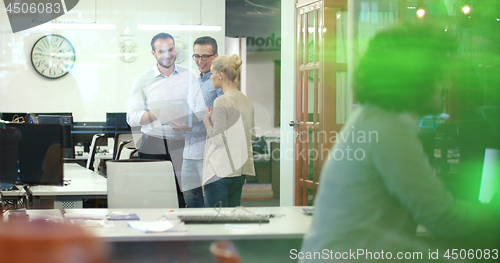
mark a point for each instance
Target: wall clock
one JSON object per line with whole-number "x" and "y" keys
{"x": 53, "y": 56}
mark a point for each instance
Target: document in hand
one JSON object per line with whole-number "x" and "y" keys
{"x": 157, "y": 226}
{"x": 176, "y": 110}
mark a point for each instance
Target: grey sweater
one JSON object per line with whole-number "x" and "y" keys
{"x": 228, "y": 150}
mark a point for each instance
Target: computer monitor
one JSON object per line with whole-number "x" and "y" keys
{"x": 490, "y": 178}
{"x": 474, "y": 136}
{"x": 12, "y": 116}
{"x": 116, "y": 122}
{"x": 40, "y": 155}
{"x": 84, "y": 131}
{"x": 67, "y": 124}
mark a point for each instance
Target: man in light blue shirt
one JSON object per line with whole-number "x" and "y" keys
{"x": 204, "y": 51}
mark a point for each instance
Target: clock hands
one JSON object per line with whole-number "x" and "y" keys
{"x": 53, "y": 56}
{"x": 59, "y": 55}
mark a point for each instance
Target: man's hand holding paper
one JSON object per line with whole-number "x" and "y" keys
{"x": 180, "y": 126}
{"x": 175, "y": 112}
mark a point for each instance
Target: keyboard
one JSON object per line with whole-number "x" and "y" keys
{"x": 223, "y": 219}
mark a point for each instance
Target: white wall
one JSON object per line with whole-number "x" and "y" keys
{"x": 287, "y": 171}
{"x": 99, "y": 82}
{"x": 260, "y": 90}
{"x": 235, "y": 46}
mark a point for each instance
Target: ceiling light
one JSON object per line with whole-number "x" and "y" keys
{"x": 105, "y": 55}
{"x": 466, "y": 9}
{"x": 53, "y": 26}
{"x": 420, "y": 12}
{"x": 179, "y": 27}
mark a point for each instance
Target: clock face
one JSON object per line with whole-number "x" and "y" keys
{"x": 53, "y": 56}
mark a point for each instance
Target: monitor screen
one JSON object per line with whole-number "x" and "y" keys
{"x": 25, "y": 116}
{"x": 40, "y": 155}
{"x": 490, "y": 178}
{"x": 67, "y": 123}
{"x": 14, "y": 116}
{"x": 84, "y": 131}
{"x": 116, "y": 122}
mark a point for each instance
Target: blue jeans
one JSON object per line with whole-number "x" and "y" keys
{"x": 192, "y": 171}
{"x": 194, "y": 198}
{"x": 226, "y": 190}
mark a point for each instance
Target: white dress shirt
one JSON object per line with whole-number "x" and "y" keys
{"x": 160, "y": 94}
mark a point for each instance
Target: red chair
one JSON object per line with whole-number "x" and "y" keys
{"x": 224, "y": 252}
{"x": 42, "y": 242}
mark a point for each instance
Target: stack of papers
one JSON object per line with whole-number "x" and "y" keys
{"x": 157, "y": 226}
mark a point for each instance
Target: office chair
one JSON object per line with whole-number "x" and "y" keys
{"x": 119, "y": 137}
{"x": 117, "y": 152}
{"x": 139, "y": 183}
{"x": 135, "y": 138}
{"x": 93, "y": 149}
{"x": 224, "y": 252}
{"x": 127, "y": 153}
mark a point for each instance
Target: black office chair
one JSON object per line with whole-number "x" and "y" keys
{"x": 118, "y": 138}
{"x": 127, "y": 153}
{"x": 93, "y": 149}
{"x": 119, "y": 149}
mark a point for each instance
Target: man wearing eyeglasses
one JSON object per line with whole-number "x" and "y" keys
{"x": 159, "y": 100}
{"x": 204, "y": 52}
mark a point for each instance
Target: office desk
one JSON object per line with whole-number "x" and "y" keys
{"x": 98, "y": 159}
{"x": 270, "y": 242}
{"x": 83, "y": 184}
{"x": 288, "y": 223}
{"x": 103, "y": 156}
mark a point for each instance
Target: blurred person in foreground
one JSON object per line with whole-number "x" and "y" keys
{"x": 230, "y": 132}
{"x": 373, "y": 201}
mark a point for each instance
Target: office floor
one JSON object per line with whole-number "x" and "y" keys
{"x": 258, "y": 195}
{"x": 253, "y": 195}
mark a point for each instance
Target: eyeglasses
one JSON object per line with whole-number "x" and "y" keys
{"x": 203, "y": 57}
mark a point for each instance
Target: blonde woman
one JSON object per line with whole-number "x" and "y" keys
{"x": 230, "y": 132}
